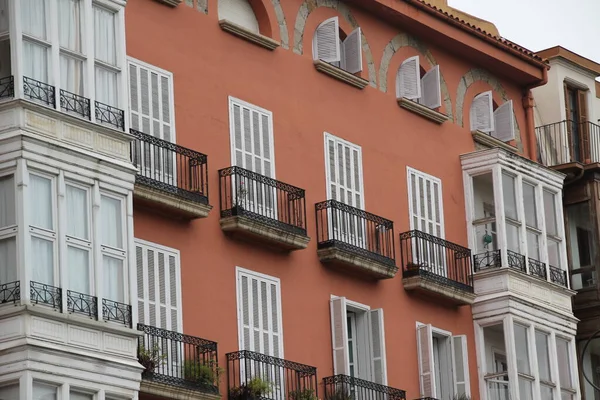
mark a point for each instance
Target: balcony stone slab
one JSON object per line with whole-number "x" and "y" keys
{"x": 427, "y": 287}
{"x": 346, "y": 259}
{"x": 163, "y": 391}
{"x": 257, "y": 231}
{"x": 169, "y": 203}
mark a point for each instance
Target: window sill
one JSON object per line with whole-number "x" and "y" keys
{"x": 256, "y": 38}
{"x": 340, "y": 74}
{"x": 423, "y": 111}
{"x": 491, "y": 142}
{"x": 171, "y": 3}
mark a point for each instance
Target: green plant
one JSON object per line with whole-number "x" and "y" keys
{"x": 341, "y": 393}
{"x": 205, "y": 375}
{"x": 461, "y": 397}
{"x": 150, "y": 358}
{"x": 253, "y": 389}
{"x": 302, "y": 394}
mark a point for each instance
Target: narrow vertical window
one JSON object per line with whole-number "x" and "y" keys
{"x": 523, "y": 363}
{"x": 105, "y": 53}
{"x": 35, "y": 45}
{"x": 531, "y": 221}
{"x": 113, "y": 248}
{"x": 543, "y": 358}
{"x": 8, "y": 243}
{"x": 565, "y": 360}
{"x": 552, "y": 233}
{"x": 78, "y": 239}
{"x": 42, "y": 228}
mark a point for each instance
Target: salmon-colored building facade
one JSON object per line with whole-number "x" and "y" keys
{"x": 330, "y": 200}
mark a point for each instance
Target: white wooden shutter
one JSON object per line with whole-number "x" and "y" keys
{"x": 481, "y": 113}
{"x": 378, "y": 346}
{"x": 353, "y": 52}
{"x": 259, "y": 314}
{"x": 460, "y": 364}
{"x": 159, "y": 286}
{"x": 426, "y": 365}
{"x": 431, "y": 94}
{"x": 151, "y": 101}
{"x": 408, "y": 82}
{"x": 339, "y": 336}
{"x": 326, "y": 42}
{"x": 503, "y": 122}
{"x": 344, "y": 171}
{"x": 239, "y": 12}
{"x": 251, "y": 138}
{"x": 425, "y": 203}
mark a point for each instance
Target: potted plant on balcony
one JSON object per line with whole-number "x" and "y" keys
{"x": 205, "y": 375}
{"x": 302, "y": 394}
{"x": 240, "y": 199}
{"x": 150, "y": 358}
{"x": 254, "y": 389}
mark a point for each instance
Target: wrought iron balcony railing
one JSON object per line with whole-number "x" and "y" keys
{"x": 106, "y": 114}
{"x": 568, "y": 141}
{"x": 558, "y": 276}
{"x": 537, "y": 268}
{"x": 116, "y": 312}
{"x": 348, "y": 387}
{"x": 341, "y": 225}
{"x": 73, "y": 103}
{"x": 170, "y": 168}
{"x": 10, "y": 292}
{"x": 437, "y": 259}
{"x": 41, "y": 293}
{"x": 271, "y": 202}
{"x": 285, "y": 380}
{"x": 80, "y": 303}
{"x": 179, "y": 360}
{"x": 7, "y": 87}
{"x": 39, "y": 91}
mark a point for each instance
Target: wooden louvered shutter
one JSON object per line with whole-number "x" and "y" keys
{"x": 159, "y": 287}
{"x": 259, "y": 305}
{"x": 482, "y": 112}
{"x": 326, "y": 42}
{"x": 344, "y": 172}
{"x": 239, "y": 12}
{"x": 504, "y": 128}
{"x": 408, "y": 82}
{"x": 431, "y": 95}
{"x": 460, "y": 364}
{"x": 339, "y": 336}
{"x": 425, "y": 203}
{"x": 353, "y": 52}
{"x": 426, "y": 365}
{"x": 583, "y": 126}
{"x": 378, "y": 346}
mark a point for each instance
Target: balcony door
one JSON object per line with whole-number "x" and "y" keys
{"x": 345, "y": 184}
{"x": 251, "y": 130}
{"x": 427, "y": 215}
{"x": 576, "y": 113}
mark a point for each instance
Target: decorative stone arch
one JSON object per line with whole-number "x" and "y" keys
{"x": 475, "y": 75}
{"x": 405, "y": 40}
{"x": 308, "y": 6}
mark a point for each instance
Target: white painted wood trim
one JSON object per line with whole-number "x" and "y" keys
{"x": 329, "y": 136}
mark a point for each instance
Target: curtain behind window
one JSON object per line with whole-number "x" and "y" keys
{"x": 35, "y": 61}
{"x": 69, "y": 28}
{"x": 33, "y": 16}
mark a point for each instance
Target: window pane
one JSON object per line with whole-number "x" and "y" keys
{"x": 521, "y": 346}
{"x": 564, "y": 363}
{"x": 80, "y": 396}
{"x": 35, "y": 61}
{"x": 524, "y": 389}
{"x": 33, "y": 16}
{"x": 10, "y": 392}
{"x": 69, "y": 27}
{"x": 8, "y": 260}
{"x": 554, "y": 253}
{"x": 4, "y": 20}
{"x": 529, "y": 203}
{"x": 77, "y": 215}
{"x": 113, "y": 279}
{"x": 483, "y": 193}
{"x": 513, "y": 237}
{"x": 581, "y": 232}
{"x": 546, "y": 392}
{"x": 550, "y": 213}
{"x": 7, "y": 201}
{"x": 541, "y": 346}
{"x": 510, "y": 202}
{"x": 111, "y": 222}
{"x": 71, "y": 74}
{"x": 41, "y": 202}
{"x": 482, "y": 232}
{"x": 106, "y": 86}
{"x": 104, "y": 37}
{"x": 79, "y": 270}
{"x": 42, "y": 260}
{"x": 533, "y": 245}
{"x": 43, "y": 391}
{"x": 564, "y": 395}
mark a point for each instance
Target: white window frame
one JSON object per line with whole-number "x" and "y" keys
{"x": 12, "y": 231}
{"x": 426, "y": 177}
{"x": 239, "y": 271}
{"x": 336, "y": 139}
{"x": 159, "y": 71}
{"x": 114, "y": 252}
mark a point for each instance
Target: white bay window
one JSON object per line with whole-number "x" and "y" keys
{"x": 42, "y": 229}
{"x": 105, "y": 53}
{"x": 79, "y": 245}
{"x": 8, "y": 230}
{"x": 112, "y": 246}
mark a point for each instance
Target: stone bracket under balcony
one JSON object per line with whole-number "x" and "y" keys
{"x": 435, "y": 268}
{"x": 171, "y": 180}
{"x": 353, "y": 240}
{"x": 262, "y": 210}
{"x": 164, "y": 391}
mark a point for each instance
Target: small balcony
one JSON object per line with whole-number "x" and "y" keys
{"x": 432, "y": 266}
{"x": 567, "y": 142}
{"x": 252, "y": 376}
{"x": 348, "y": 387}
{"x": 177, "y": 365}
{"x": 10, "y": 293}
{"x": 261, "y": 209}
{"x": 354, "y": 240}
{"x": 171, "y": 179}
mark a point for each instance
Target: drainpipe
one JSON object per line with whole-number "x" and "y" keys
{"x": 528, "y": 104}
